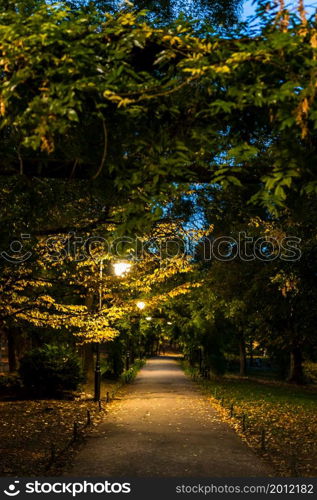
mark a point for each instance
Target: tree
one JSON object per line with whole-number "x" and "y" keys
{"x": 222, "y": 12}
{"x": 83, "y": 97}
{"x": 216, "y": 95}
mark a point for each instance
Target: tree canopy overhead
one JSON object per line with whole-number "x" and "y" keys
{"x": 220, "y": 12}
{"x": 84, "y": 95}
{"x": 113, "y": 123}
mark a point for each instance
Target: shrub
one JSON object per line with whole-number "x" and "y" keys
{"x": 9, "y": 383}
{"x": 129, "y": 375}
{"x": 217, "y": 363}
{"x": 50, "y": 370}
{"x": 310, "y": 370}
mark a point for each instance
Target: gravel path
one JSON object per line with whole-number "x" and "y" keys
{"x": 165, "y": 427}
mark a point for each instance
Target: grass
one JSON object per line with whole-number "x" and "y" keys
{"x": 287, "y": 414}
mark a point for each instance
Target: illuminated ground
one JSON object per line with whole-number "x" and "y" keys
{"x": 163, "y": 426}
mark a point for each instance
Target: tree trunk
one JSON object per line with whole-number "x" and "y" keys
{"x": 200, "y": 359}
{"x": 11, "y": 351}
{"x": 243, "y": 358}
{"x": 133, "y": 355}
{"x": 251, "y": 354}
{"x": 88, "y": 361}
{"x": 296, "y": 374}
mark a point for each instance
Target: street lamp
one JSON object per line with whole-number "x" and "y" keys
{"x": 120, "y": 268}
{"x": 140, "y": 304}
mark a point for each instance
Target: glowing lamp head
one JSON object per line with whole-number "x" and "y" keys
{"x": 120, "y": 268}
{"x": 140, "y": 304}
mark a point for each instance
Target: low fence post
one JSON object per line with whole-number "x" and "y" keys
{"x": 231, "y": 410}
{"x": 243, "y": 423}
{"x": 263, "y": 439}
{"x": 75, "y": 431}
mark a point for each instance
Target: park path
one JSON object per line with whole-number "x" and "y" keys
{"x": 164, "y": 427}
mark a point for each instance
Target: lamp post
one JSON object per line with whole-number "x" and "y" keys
{"x": 141, "y": 305}
{"x": 97, "y": 367}
{"x": 120, "y": 268}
